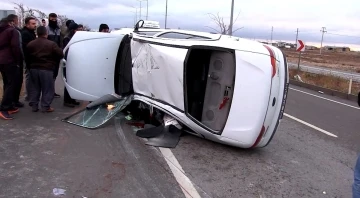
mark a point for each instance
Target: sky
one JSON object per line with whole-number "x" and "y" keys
{"x": 257, "y": 17}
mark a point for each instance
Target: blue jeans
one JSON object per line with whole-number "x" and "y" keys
{"x": 356, "y": 185}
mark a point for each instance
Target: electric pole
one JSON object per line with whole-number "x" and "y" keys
{"x": 166, "y": 13}
{"x": 272, "y": 29}
{"x": 297, "y": 34}
{"x": 323, "y": 30}
{"x": 231, "y": 19}
{"x": 140, "y": 10}
{"x": 147, "y": 9}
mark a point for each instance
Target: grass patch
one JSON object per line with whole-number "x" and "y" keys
{"x": 325, "y": 81}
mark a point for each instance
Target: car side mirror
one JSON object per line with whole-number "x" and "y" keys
{"x": 138, "y": 25}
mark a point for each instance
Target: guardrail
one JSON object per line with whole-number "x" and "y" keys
{"x": 316, "y": 70}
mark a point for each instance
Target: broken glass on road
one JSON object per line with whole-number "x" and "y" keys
{"x": 96, "y": 116}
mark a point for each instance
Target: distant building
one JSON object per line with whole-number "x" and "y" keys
{"x": 310, "y": 47}
{"x": 5, "y": 13}
{"x": 337, "y": 49}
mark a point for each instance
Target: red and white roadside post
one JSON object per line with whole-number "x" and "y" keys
{"x": 300, "y": 47}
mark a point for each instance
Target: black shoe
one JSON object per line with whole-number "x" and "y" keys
{"x": 5, "y": 115}
{"x": 18, "y": 104}
{"x": 74, "y": 102}
{"x": 13, "y": 110}
{"x": 69, "y": 104}
{"x": 56, "y": 95}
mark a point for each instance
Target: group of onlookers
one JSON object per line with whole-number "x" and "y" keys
{"x": 38, "y": 50}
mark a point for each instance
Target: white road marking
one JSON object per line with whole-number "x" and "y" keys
{"x": 310, "y": 125}
{"x": 325, "y": 98}
{"x": 186, "y": 185}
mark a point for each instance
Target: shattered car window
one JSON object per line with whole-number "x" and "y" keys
{"x": 95, "y": 117}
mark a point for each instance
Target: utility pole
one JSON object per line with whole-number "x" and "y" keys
{"x": 147, "y": 9}
{"x": 140, "y": 10}
{"x": 135, "y": 17}
{"x": 272, "y": 29}
{"x": 166, "y": 13}
{"x": 231, "y": 19}
{"x": 323, "y": 30}
{"x": 297, "y": 34}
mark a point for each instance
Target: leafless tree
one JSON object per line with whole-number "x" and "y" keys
{"x": 21, "y": 12}
{"x": 219, "y": 21}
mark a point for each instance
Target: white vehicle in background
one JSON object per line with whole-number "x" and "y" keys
{"x": 222, "y": 88}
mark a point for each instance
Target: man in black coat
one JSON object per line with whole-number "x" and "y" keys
{"x": 27, "y": 35}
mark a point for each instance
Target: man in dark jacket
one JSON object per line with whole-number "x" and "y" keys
{"x": 54, "y": 34}
{"x": 72, "y": 28}
{"x": 10, "y": 60}
{"x": 44, "y": 55}
{"x": 104, "y": 28}
{"x": 15, "y": 22}
{"x": 27, "y": 35}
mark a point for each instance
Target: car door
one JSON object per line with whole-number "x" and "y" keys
{"x": 89, "y": 64}
{"x": 158, "y": 69}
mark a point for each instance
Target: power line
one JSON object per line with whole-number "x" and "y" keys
{"x": 343, "y": 35}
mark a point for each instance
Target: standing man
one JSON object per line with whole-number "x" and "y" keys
{"x": 80, "y": 27}
{"x": 19, "y": 77}
{"x": 27, "y": 35}
{"x": 43, "y": 22}
{"x": 44, "y": 55}
{"x": 10, "y": 60}
{"x": 104, "y": 28}
{"x": 54, "y": 31}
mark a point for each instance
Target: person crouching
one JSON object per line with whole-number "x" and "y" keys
{"x": 43, "y": 57}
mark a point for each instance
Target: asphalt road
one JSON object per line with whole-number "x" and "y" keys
{"x": 325, "y": 71}
{"x": 38, "y": 152}
{"x": 299, "y": 162}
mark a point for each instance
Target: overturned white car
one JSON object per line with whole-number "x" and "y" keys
{"x": 222, "y": 88}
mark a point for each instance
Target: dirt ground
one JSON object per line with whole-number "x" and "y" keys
{"x": 330, "y": 82}
{"x": 349, "y": 61}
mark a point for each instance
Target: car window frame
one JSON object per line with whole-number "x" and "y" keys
{"x": 203, "y": 37}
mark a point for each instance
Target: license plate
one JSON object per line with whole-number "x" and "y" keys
{"x": 284, "y": 100}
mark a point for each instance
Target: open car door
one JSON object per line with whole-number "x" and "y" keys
{"x": 89, "y": 64}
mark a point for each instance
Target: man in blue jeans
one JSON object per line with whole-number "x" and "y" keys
{"x": 356, "y": 185}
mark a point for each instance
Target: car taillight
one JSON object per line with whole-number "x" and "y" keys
{"x": 261, "y": 134}
{"x": 272, "y": 59}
